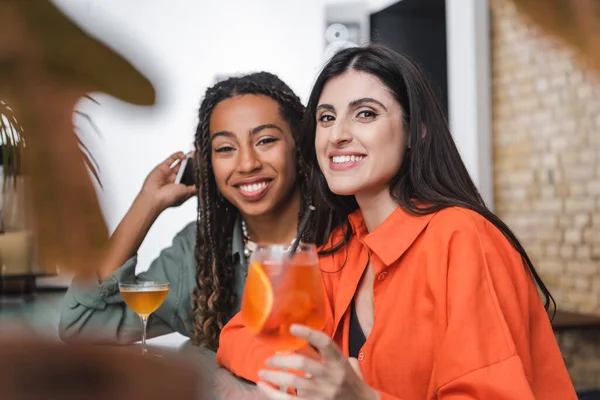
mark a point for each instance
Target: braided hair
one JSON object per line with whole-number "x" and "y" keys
{"x": 214, "y": 296}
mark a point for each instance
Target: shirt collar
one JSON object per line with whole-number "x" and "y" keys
{"x": 390, "y": 240}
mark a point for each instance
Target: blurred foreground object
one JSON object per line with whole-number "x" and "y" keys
{"x": 576, "y": 22}
{"x": 15, "y": 240}
{"x": 47, "y": 64}
{"x": 32, "y": 370}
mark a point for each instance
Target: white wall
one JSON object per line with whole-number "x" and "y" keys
{"x": 469, "y": 88}
{"x": 181, "y": 45}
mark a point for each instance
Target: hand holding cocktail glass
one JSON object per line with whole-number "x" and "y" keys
{"x": 283, "y": 288}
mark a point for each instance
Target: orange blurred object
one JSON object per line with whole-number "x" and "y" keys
{"x": 576, "y": 22}
{"x": 48, "y": 64}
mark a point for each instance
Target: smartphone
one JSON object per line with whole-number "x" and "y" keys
{"x": 186, "y": 175}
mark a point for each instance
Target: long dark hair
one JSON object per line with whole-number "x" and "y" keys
{"x": 214, "y": 296}
{"x": 432, "y": 175}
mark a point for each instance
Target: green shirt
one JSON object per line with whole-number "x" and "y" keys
{"x": 96, "y": 312}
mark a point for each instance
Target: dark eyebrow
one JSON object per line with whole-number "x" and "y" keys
{"x": 328, "y": 107}
{"x": 358, "y": 102}
{"x": 223, "y": 134}
{"x": 253, "y": 131}
{"x": 353, "y": 104}
{"x": 259, "y": 128}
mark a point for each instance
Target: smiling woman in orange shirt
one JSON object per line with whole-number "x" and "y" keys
{"x": 431, "y": 296}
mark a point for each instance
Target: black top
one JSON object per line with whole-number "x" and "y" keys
{"x": 357, "y": 337}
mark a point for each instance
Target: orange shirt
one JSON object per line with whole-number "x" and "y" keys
{"x": 457, "y": 314}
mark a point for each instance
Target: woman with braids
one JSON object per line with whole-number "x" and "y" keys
{"x": 251, "y": 188}
{"x": 431, "y": 295}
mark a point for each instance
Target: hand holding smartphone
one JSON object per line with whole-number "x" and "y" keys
{"x": 186, "y": 175}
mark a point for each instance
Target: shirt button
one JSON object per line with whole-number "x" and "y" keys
{"x": 361, "y": 355}
{"x": 382, "y": 276}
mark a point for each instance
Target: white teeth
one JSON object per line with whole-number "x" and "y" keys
{"x": 345, "y": 159}
{"x": 253, "y": 187}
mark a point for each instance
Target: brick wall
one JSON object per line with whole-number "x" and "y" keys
{"x": 546, "y": 148}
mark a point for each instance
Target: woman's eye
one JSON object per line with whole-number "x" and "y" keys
{"x": 224, "y": 149}
{"x": 366, "y": 114}
{"x": 326, "y": 118}
{"x": 267, "y": 141}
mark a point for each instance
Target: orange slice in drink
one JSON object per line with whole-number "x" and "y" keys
{"x": 258, "y": 301}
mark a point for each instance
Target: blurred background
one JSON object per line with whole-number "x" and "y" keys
{"x": 523, "y": 106}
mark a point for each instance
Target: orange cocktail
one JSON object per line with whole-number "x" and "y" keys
{"x": 281, "y": 291}
{"x": 144, "y": 301}
{"x": 144, "y": 298}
